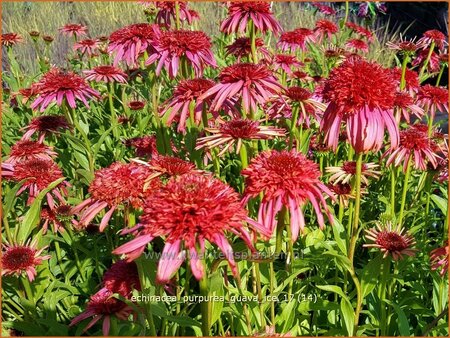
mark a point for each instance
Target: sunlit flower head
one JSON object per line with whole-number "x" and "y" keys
{"x": 120, "y": 184}
{"x": 11, "y": 39}
{"x": 106, "y": 74}
{"x": 122, "y": 278}
{"x": 172, "y": 48}
{"x": 25, "y": 150}
{"x": 289, "y": 179}
{"x": 144, "y": 146}
{"x": 45, "y": 125}
{"x": 235, "y": 132}
{"x": 360, "y": 30}
{"x": 412, "y": 84}
{"x": 58, "y": 86}
{"x": 324, "y": 9}
{"x": 439, "y": 259}
{"x": 241, "y": 48}
{"x": 433, "y": 99}
{"x": 342, "y": 192}
{"x": 433, "y": 36}
{"x": 57, "y": 217}
{"x": 73, "y": 29}
{"x": 347, "y": 171}
{"x": 296, "y": 39}
{"x": 415, "y": 147}
{"x": 18, "y": 259}
{"x": 188, "y": 210}
{"x": 404, "y": 46}
{"x": 362, "y": 95}
{"x": 325, "y": 28}
{"x": 434, "y": 61}
{"x": 130, "y": 42}
{"x": 167, "y": 12}
{"x": 87, "y": 46}
{"x": 241, "y": 12}
{"x": 252, "y": 83}
{"x": 391, "y": 240}
{"x": 285, "y": 62}
{"x": 405, "y": 106}
{"x": 168, "y": 166}
{"x": 357, "y": 45}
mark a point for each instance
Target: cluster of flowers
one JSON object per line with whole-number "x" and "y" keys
{"x": 187, "y": 206}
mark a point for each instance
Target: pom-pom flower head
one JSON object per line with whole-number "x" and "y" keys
{"x": 289, "y": 179}
{"x": 167, "y": 12}
{"x": 188, "y": 210}
{"x": 25, "y": 150}
{"x": 106, "y": 74}
{"x": 241, "y": 48}
{"x": 362, "y": 95}
{"x": 439, "y": 259}
{"x": 296, "y": 39}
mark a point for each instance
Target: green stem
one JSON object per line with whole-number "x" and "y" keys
{"x": 177, "y": 15}
{"x": 293, "y": 126}
{"x": 253, "y": 41}
{"x": 347, "y": 10}
{"x": 113, "y": 112}
{"x": 359, "y": 301}
{"x": 382, "y": 294}
{"x": 404, "y": 192}
{"x": 355, "y": 230}
{"x": 427, "y": 60}
{"x": 403, "y": 78}
{"x": 259, "y": 290}
{"x": 59, "y": 258}
{"x": 280, "y": 227}
{"x": 205, "y": 305}
{"x": 393, "y": 178}
{"x": 290, "y": 245}
{"x": 27, "y": 288}
{"x": 438, "y": 80}
{"x": 271, "y": 286}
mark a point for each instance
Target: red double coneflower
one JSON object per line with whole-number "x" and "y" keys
{"x": 73, "y": 29}
{"x": 106, "y": 74}
{"x": 253, "y": 83}
{"x": 285, "y": 62}
{"x": 289, "y": 179}
{"x": 25, "y": 150}
{"x": 174, "y": 47}
{"x": 439, "y": 259}
{"x": 87, "y": 46}
{"x": 44, "y": 125}
{"x": 11, "y": 39}
{"x": 412, "y": 83}
{"x": 434, "y": 61}
{"x": 433, "y": 36}
{"x": 167, "y": 12}
{"x": 241, "y": 48}
{"x": 189, "y": 210}
{"x": 357, "y": 45}
{"x": 433, "y": 99}
{"x": 130, "y": 42}
{"x": 57, "y": 217}
{"x": 362, "y": 95}
{"x": 241, "y": 12}
{"x": 360, "y": 30}
{"x": 404, "y": 106}
{"x": 119, "y": 184}
{"x": 57, "y": 86}
{"x": 324, "y": 9}
{"x": 296, "y": 39}
{"x": 325, "y": 28}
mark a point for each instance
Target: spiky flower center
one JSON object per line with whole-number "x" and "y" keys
{"x": 18, "y": 258}
{"x": 391, "y": 241}
{"x": 249, "y": 7}
{"x": 298, "y": 94}
{"x": 240, "y": 129}
{"x": 192, "y": 89}
{"x": 181, "y": 41}
{"x": 247, "y": 72}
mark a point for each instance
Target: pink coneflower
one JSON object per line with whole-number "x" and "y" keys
{"x": 234, "y": 132}
{"x": 412, "y": 83}
{"x": 360, "y": 30}
{"x": 25, "y": 150}
{"x": 28, "y": 93}
{"x": 434, "y": 63}
{"x": 188, "y": 210}
{"x": 87, "y": 46}
{"x": 241, "y": 12}
{"x": 122, "y": 278}
{"x": 119, "y": 184}
{"x": 404, "y": 47}
{"x": 357, "y": 45}
{"x": 324, "y": 9}
{"x": 347, "y": 171}
{"x": 57, "y": 86}
{"x": 74, "y": 30}
{"x": 171, "y": 47}
{"x": 130, "y": 42}
{"x": 297, "y": 98}
{"x": 38, "y": 174}
{"x": 439, "y": 259}
{"x": 404, "y": 106}
{"x": 391, "y": 240}
{"x": 102, "y": 306}
{"x": 44, "y": 125}
{"x": 167, "y": 12}
{"x": 289, "y": 179}
{"x": 136, "y": 105}
{"x": 415, "y": 147}
{"x": 433, "y": 35}
{"x": 325, "y": 28}
{"x": 7, "y": 170}
{"x": 144, "y": 146}
{"x": 187, "y": 94}
{"x": 296, "y": 39}
{"x": 57, "y": 217}
{"x": 18, "y": 259}
{"x": 361, "y": 94}
{"x": 301, "y": 76}
{"x": 342, "y": 192}
{"x": 241, "y": 48}
{"x": 286, "y": 62}
{"x": 106, "y": 74}
{"x": 11, "y": 39}
{"x": 433, "y": 99}
{"x": 253, "y": 83}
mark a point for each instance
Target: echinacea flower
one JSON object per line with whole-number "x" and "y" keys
{"x": 106, "y": 74}
{"x": 18, "y": 259}
{"x": 234, "y": 132}
{"x": 57, "y": 86}
{"x": 169, "y": 166}
{"x": 75, "y": 30}
{"x": 58, "y": 217}
{"x": 296, "y": 39}
{"x": 433, "y": 36}
{"x": 241, "y": 12}
{"x": 324, "y": 9}
{"x": 28, "y": 93}
{"x": 412, "y": 83}
{"x": 122, "y": 278}
{"x": 360, "y": 30}
{"x": 433, "y": 99}
{"x": 38, "y": 174}
{"x": 25, "y": 150}
{"x": 87, "y": 46}
{"x": 11, "y": 39}
{"x": 285, "y": 62}
{"x": 289, "y": 179}
{"x": 404, "y": 106}
{"x": 130, "y": 42}
{"x": 391, "y": 240}
{"x": 103, "y": 305}
{"x": 342, "y": 192}
{"x": 362, "y": 95}
{"x": 145, "y": 146}
{"x": 439, "y": 259}
{"x": 357, "y": 45}
{"x": 172, "y": 48}
{"x": 136, "y": 105}
{"x": 241, "y": 48}
{"x": 167, "y": 12}
{"x": 404, "y": 46}
{"x": 325, "y": 28}
{"x": 415, "y": 147}
{"x": 347, "y": 171}
{"x": 45, "y": 125}
{"x": 119, "y": 184}
{"x": 434, "y": 61}
{"x": 300, "y": 99}
{"x": 7, "y": 170}
{"x": 253, "y": 83}
{"x": 188, "y": 210}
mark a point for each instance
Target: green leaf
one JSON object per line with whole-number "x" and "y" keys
{"x": 340, "y": 235}
{"x": 440, "y": 203}
{"x": 32, "y": 217}
{"x": 403, "y": 325}
{"x": 216, "y": 289}
{"x": 11, "y": 197}
{"x": 370, "y": 275}
{"x": 348, "y": 316}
